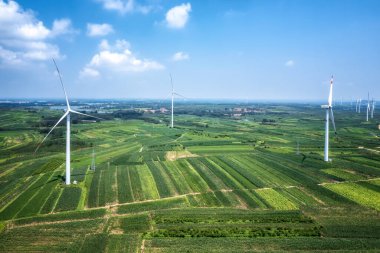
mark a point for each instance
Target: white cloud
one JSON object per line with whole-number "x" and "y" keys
{"x": 117, "y": 58}
{"x": 8, "y": 56}
{"x": 62, "y": 27}
{"x": 99, "y": 29}
{"x": 125, "y": 6}
{"x": 32, "y": 31}
{"x": 118, "y": 46}
{"x": 122, "y": 44}
{"x": 178, "y": 16}
{"x": 24, "y": 38}
{"x": 89, "y": 72}
{"x": 289, "y": 63}
{"x": 180, "y": 56}
{"x": 104, "y": 45}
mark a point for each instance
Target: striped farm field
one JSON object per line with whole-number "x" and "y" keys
{"x": 124, "y": 187}
{"x": 299, "y": 196}
{"x": 175, "y": 202}
{"x": 214, "y": 182}
{"x": 357, "y": 193}
{"x": 37, "y": 202}
{"x": 276, "y": 200}
{"x": 344, "y": 174}
{"x": 23, "y": 199}
{"x": 69, "y": 199}
{"x": 148, "y": 184}
{"x": 220, "y": 149}
{"x": 176, "y": 176}
{"x": 163, "y": 182}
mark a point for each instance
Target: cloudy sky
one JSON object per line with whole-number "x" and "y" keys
{"x": 259, "y": 49}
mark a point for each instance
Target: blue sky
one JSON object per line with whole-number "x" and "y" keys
{"x": 280, "y": 49}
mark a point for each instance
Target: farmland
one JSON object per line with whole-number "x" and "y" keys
{"x": 214, "y": 183}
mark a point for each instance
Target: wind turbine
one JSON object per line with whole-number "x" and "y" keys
{"x": 368, "y": 107}
{"x": 373, "y": 108}
{"x": 329, "y": 112}
{"x": 360, "y": 104}
{"x": 67, "y": 115}
{"x": 357, "y": 103}
{"x": 173, "y": 94}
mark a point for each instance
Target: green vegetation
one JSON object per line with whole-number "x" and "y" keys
{"x": 153, "y": 205}
{"x": 214, "y": 183}
{"x": 360, "y": 194}
{"x": 69, "y": 199}
{"x": 276, "y": 200}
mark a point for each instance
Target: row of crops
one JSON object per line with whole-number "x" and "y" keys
{"x": 218, "y": 180}
{"x": 44, "y": 195}
{"x": 253, "y": 180}
{"x": 246, "y": 181}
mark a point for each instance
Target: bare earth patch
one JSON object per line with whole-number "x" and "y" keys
{"x": 174, "y": 155}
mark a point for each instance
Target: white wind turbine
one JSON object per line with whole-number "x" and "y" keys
{"x": 329, "y": 112}
{"x": 368, "y": 107}
{"x": 357, "y": 103}
{"x": 67, "y": 115}
{"x": 173, "y": 94}
{"x": 373, "y": 108}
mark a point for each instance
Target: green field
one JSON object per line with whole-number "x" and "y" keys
{"x": 214, "y": 183}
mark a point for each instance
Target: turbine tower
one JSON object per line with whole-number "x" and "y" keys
{"x": 373, "y": 108}
{"x": 357, "y": 103}
{"x": 329, "y": 112}
{"x": 173, "y": 94}
{"x": 172, "y": 120}
{"x": 368, "y": 107}
{"x": 67, "y": 115}
{"x": 360, "y": 104}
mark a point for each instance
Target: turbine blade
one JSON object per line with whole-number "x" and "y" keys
{"x": 171, "y": 81}
{"x": 175, "y": 93}
{"x": 331, "y": 89}
{"x": 51, "y": 130}
{"x": 332, "y": 119}
{"x": 168, "y": 96}
{"x": 85, "y": 114}
{"x": 63, "y": 87}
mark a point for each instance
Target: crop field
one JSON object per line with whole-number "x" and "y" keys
{"x": 216, "y": 182}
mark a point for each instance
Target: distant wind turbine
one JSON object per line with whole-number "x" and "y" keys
{"x": 357, "y": 105}
{"x": 373, "y": 108}
{"x": 360, "y": 104}
{"x": 368, "y": 107}
{"x": 67, "y": 115}
{"x": 329, "y": 112}
{"x": 173, "y": 94}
